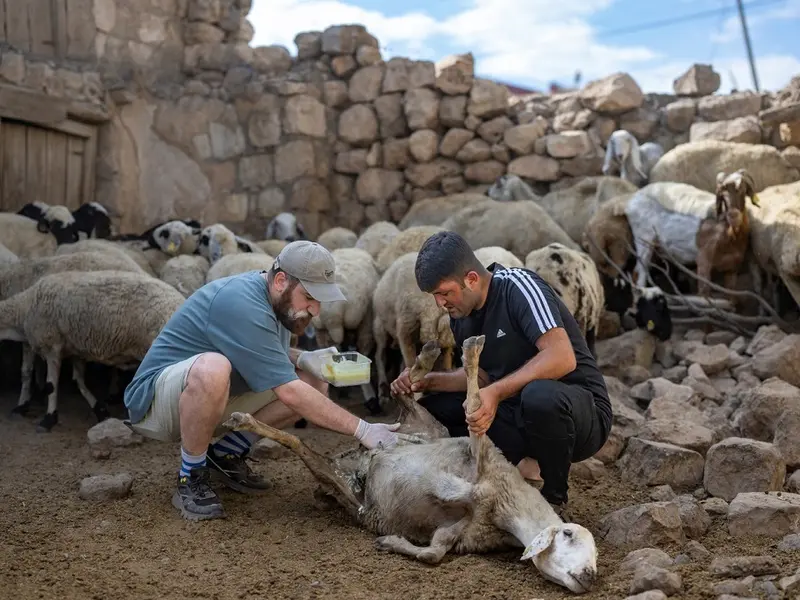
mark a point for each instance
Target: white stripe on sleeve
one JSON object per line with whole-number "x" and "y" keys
{"x": 533, "y": 303}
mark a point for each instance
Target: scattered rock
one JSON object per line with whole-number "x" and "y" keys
{"x": 266, "y": 448}
{"x": 648, "y": 595}
{"x": 112, "y": 432}
{"x": 737, "y": 465}
{"x": 694, "y": 518}
{"x": 655, "y": 463}
{"x": 101, "y": 488}
{"x": 643, "y": 525}
{"x": 734, "y": 587}
{"x": 780, "y": 360}
{"x": 650, "y": 577}
{"x": 662, "y": 493}
{"x": 772, "y": 514}
{"x": 766, "y": 336}
{"x": 790, "y": 543}
{"x": 697, "y": 551}
{"x": 761, "y": 407}
{"x": 787, "y": 437}
{"x": 643, "y": 557}
{"x": 793, "y": 483}
{"x": 715, "y": 506}
{"x": 742, "y": 566}
{"x": 590, "y": 469}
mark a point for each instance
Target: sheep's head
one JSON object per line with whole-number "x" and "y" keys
{"x": 565, "y": 554}
{"x": 170, "y": 236}
{"x": 507, "y": 188}
{"x": 60, "y": 222}
{"x": 652, "y": 312}
{"x": 732, "y": 190}
{"x": 216, "y": 241}
{"x": 285, "y": 227}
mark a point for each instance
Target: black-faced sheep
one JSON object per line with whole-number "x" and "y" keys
{"x": 92, "y": 221}
{"x": 53, "y": 218}
{"x": 574, "y": 277}
{"x": 173, "y": 237}
{"x": 108, "y": 317}
{"x": 285, "y": 227}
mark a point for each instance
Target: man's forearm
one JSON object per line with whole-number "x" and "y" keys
{"x": 548, "y": 364}
{"x": 448, "y": 381}
{"x": 294, "y": 353}
{"x": 316, "y": 407}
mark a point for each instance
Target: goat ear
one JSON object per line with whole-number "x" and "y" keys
{"x": 540, "y": 543}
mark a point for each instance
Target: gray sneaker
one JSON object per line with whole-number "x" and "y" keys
{"x": 195, "y": 498}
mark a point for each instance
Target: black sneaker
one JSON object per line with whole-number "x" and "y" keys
{"x": 195, "y": 498}
{"x": 234, "y": 472}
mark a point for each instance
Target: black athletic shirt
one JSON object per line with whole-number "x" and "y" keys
{"x": 519, "y": 308}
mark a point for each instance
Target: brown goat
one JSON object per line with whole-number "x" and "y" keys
{"x": 722, "y": 241}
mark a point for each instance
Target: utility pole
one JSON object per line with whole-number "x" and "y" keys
{"x": 747, "y": 44}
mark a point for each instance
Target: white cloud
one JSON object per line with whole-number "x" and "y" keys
{"x": 512, "y": 40}
{"x": 731, "y": 29}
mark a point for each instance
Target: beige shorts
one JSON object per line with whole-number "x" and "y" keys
{"x": 162, "y": 421}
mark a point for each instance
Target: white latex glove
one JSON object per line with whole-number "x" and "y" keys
{"x": 373, "y": 435}
{"x": 311, "y": 361}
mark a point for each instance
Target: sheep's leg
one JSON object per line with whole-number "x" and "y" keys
{"x": 380, "y": 355}
{"x": 53, "y": 371}
{"x": 703, "y": 269}
{"x": 79, "y": 375}
{"x": 471, "y": 352}
{"x": 644, "y": 252}
{"x": 26, "y": 373}
{"x": 442, "y": 541}
{"x": 407, "y": 346}
{"x": 320, "y": 466}
{"x": 413, "y": 417}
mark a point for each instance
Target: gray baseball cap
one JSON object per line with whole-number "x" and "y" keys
{"x": 314, "y": 266}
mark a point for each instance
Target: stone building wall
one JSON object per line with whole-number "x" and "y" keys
{"x": 200, "y": 124}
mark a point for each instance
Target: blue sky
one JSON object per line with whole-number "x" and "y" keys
{"x": 533, "y": 42}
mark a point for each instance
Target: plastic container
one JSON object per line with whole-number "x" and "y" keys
{"x": 346, "y": 369}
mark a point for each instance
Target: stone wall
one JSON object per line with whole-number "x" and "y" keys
{"x": 201, "y": 124}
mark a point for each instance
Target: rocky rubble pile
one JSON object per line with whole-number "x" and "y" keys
{"x": 709, "y": 424}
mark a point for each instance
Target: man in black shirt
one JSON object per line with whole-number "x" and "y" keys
{"x": 543, "y": 397}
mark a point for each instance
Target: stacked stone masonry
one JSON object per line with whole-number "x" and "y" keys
{"x": 200, "y": 124}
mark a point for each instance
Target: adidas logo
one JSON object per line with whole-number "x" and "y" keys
{"x": 500, "y": 333}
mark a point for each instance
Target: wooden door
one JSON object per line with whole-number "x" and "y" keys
{"x": 61, "y": 29}
{"x": 49, "y": 164}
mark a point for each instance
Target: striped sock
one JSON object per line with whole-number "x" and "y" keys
{"x": 189, "y": 462}
{"x": 235, "y": 442}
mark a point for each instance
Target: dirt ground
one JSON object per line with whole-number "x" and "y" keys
{"x": 280, "y": 545}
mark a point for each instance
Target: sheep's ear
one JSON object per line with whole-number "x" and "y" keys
{"x": 754, "y": 199}
{"x": 540, "y": 543}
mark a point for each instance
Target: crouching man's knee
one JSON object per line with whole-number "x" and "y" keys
{"x": 210, "y": 377}
{"x": 545, "y": 409}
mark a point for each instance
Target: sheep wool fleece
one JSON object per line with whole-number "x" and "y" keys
{"x": 231, "y": 316}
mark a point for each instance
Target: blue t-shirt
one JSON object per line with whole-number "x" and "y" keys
{"x": 232, "y": 316}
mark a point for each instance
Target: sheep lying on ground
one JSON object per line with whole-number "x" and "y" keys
{"x": 285, "y": 227}
{"x": 519, "y": 227}
{"x": 573, "y": 276}
{"x": 93, "y": 245}
{"x": 7, "y": 256}
{"x": 446, "y": 494}
{"x": 623, "y": 156}
{"x": 491, "y": 254}
{"x": 376, "y": 237}
{"x": 408, "y": 240}
{"x": 337, "y": 237}
{"x": 572, "y": 207}
{"x": 232, "y": 264}
{"x": 186, "y": 273}
{"x": 409, "y": 316}
{"x": 348, "y": 325}
{"x": 108, "y": 317}
{"x": 434, "y": 211}
{"x": 697, "y": 164}
{"x": 775, "y": 237}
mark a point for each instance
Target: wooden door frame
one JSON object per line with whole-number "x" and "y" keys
{"x": 48, "y": 112}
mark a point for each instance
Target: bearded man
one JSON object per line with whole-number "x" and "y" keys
{"x": 226, "y": 349}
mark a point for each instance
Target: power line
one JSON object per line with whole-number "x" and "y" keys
{"x": 682, "y": 19}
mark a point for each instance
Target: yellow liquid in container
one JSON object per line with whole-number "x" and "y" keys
{"x": 346, "y": 369}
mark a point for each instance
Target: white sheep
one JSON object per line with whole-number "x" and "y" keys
{"x": 651, "y": 153}
{"x": 233, "y": 264}
{"x": 376, "y": 237}
{"x": 25, "y": 237}
{"x": 129, "y": 249}
{"x": 409, "y": 316}
{"x": 775, "y": 237}
{"x": 519, "y": 227}
{"x": 623, "y": 156}
{"x": 440, "y": 494}
{"x": 574, "y": 277}
{"x": 284, "y": 226}
{"x": 697, "y": 163}
{"x": 434, "y": 211}
{"x": 491, "y": 254}
{"x": 7, "y": 256}
{"x": 108, "y": 317}
{"x": 337, "y": 237}
{"x": 408, "y": 240}
{"x": 185, "y": 272}
{"x": 217, "y": 241}
{"x": 272, "y": 247}
{"x": 570, "y": 207}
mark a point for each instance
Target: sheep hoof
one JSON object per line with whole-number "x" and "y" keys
{"x": 20, "y": 410}
{"x": 373, "y": 405}
{"x": 101, "y": 411}
{"x": 47, "y": 422}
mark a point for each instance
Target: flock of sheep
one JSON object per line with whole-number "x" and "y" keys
{"x": 71, "y": 290}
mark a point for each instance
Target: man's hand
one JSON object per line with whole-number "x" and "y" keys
{"x": 311, "y": 361}
{"x": 403, "y": 385}
{"x": 480, "y": 420}
{"x": 373, "y": 435}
